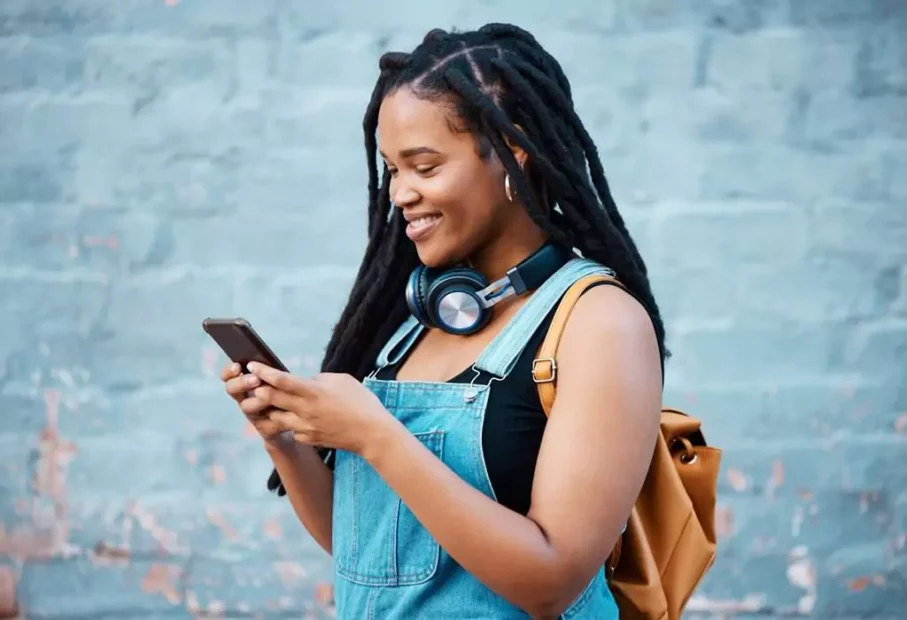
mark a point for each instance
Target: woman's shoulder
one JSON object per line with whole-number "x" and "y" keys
{"x": 608, "y": 315}
{"x": 610, "y": 298}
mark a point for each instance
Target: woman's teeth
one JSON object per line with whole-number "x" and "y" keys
{"x": 424, "y": 221}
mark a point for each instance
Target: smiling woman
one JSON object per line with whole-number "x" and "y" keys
{"x": 421, "y": 457}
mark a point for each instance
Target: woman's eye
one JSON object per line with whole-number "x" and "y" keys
{"x": 425, "y": 169}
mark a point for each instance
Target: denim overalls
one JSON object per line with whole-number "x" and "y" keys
{"x": 386, "y": 564}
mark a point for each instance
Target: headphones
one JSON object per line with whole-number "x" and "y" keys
{"x": 458, "y": 300}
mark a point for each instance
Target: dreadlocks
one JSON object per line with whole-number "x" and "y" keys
{"x": 499, "y": 82}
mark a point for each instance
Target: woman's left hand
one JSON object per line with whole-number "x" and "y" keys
{"x": 330, "y": 410}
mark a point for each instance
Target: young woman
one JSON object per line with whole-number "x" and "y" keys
{"x": 447, "y": 492}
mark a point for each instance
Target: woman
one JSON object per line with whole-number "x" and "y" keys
{"x": 451, "y": 494}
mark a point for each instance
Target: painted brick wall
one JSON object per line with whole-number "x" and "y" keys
{"x": 166, "y": 161}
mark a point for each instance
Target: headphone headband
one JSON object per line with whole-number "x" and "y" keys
{"x": 458, "y": 300}
{"x": 529, "y": 274}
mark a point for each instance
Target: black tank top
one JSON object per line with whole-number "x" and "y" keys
{"x": 514, "y": 422}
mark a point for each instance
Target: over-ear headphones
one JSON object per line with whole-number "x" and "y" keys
{"x": 459, "y": 300}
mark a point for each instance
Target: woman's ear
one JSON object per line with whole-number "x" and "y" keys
{"x": 519, "y": 154}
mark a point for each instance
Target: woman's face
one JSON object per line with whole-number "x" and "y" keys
{"x": 453, "y": 200}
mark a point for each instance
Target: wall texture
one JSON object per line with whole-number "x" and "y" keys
{"x": 166, "y": 161}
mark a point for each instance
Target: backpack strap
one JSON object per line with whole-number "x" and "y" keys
{"x": 544, "y": 366}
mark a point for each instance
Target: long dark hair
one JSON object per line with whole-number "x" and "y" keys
{"x": 499, "y": 82}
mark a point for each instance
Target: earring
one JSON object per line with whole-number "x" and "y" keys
{"x": 507, "y": 187}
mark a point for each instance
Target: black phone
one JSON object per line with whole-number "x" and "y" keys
{"x": 241, "y": 343}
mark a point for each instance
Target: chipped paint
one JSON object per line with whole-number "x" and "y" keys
{"x": 900, "y": 424}
{"x": 724, "y": 521}
{"x": 192, "y": 605}
{"x": 217, "y": 520}
{"x": 47, "y": 535}
{"x": 210, "y": 358}
{"x": 802, "y": 573}
{"x": 163, "y": 579}
{"x": 290, "y": 573}
{"x": 105, "y": 241}
{"x": 106, "y": 554}
{"x": 751, "y": 603}
{"x": 217, "y": 474}
{"x": 737, "y": 480}
{"x": 167, "y": 539}
{"x": 796, "y": 522}
{"x": 859, "y": 584}
{"x": 324, "y": 594}
{"x": 271, "y": 528}
{"x": 9, "y": 606}
{"x": 777, "y": 474}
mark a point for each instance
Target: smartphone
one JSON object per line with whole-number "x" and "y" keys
{"x": 241, "y": 343}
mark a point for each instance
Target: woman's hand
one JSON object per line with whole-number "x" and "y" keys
{"x": 239, "y": 387}
{"x": 330, "y": 410}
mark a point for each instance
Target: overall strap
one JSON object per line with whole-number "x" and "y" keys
{"x": 500, "y": 356}
{"x": 399, "y": 343}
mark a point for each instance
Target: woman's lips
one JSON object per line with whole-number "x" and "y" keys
{"x": 419, "y": 229}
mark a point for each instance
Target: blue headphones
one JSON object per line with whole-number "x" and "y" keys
{"x": 458, "y": 300}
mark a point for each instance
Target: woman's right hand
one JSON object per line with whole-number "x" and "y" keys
{"x": 238, "y": 386}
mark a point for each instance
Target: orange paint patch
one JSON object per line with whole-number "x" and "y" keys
{"x": 324, "y": 594}
{"x": 777, "y": 474}
{"x": 163, "y": 579}
{"x": 29, "y": 541}
{"x": 54, "y": 457}
{"x": 92, "y": 241}
{"x": 859, "y": 584}
{"x": 9, "y": 606}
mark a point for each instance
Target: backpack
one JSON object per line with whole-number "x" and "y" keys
{"x": 670, "y": 541}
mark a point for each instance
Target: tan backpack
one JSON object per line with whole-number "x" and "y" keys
{"x": 669, "y": 543}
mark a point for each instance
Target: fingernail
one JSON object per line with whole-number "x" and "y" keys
{"x": 251, "y": 380}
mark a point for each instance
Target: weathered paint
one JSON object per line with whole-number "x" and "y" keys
{"x": 167, "y": 161}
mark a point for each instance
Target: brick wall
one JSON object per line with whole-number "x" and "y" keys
{"x": 166, "y": 161}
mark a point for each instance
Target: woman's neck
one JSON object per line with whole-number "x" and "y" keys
{"x": 494, "y": 260}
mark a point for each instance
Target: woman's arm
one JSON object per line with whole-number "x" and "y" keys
{"x": 594, "y": 457}
{"x": 309, "y": 485}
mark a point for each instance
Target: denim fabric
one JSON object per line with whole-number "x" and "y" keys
{"x": 386, "y": 563}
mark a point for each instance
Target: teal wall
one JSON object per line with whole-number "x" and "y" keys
{"x": 161, "y": 162}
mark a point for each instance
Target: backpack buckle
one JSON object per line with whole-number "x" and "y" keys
{"x": 550, "y": 371}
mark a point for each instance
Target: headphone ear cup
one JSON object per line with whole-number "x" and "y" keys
{"x": 461, "y": 279}
{"x": 416, "y": 288}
